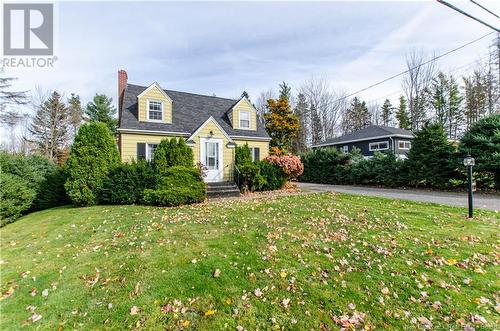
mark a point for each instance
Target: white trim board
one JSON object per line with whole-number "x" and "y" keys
{"x": 155, "y": 84}
{"x": 364, "y": 139}
{"x": 152, "y": 132}
{"x": 210, "y": 119}
{"x": 253, "y": 138}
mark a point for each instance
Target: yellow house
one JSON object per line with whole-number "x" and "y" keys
{"x": 212, "y": 126}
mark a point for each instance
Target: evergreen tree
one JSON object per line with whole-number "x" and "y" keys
{"x": 245, "y": 95}
{"x": 92, "y": 156}
{"x": 50, "y": 128}
{"x": 438, "y": 98}
{"x": 170, "y": 153}
{"x": 431, "y": 160}
{"x": 475, "y": 98}
{"x": 357, "y": 116}
{"x": 285, "y": 91}
{"x": 482, "y": 142}
{"x": 102, "y": 110}
{"x": 402, "y": 114}
{"x": 387, "y": 113}
{"x": 301, "y": 111}
{"x": 75, "y": 113}
{"x": 455, "y": 114}
{"x": 282, "y": 124}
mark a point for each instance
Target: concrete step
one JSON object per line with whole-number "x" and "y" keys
{"x": 216, "y": 184}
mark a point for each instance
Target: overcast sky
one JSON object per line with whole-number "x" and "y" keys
{"x": 225, "y": 48}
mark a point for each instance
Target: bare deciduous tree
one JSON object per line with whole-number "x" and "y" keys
{"x": 261, "y": 103}
{"x": 326, "y": 107}
{"x": 415, "y": 85}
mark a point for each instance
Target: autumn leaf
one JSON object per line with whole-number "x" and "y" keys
{"x": 134, "y": 310}
{"x": 210, "y": 312}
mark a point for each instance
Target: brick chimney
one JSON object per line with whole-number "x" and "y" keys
{"x": 122, "y": 83}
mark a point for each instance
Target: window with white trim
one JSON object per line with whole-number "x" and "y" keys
{"x": 244, "y": 120}
{"x": 345, "y": 149}
{"x": 155, "y": 110}
{"x": 379, "y": 146}
{"x": 404, "y": 144}
{"x": 255, "y": 152}
{"x": 150, "y": 151}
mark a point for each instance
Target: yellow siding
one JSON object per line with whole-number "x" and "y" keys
{"x": 157, "y": 95}
{"x": 227, "y": 153}
{"x": 263, "y": 145}
{"x": 245, "y": 106}
{"x": 129, "y": 144}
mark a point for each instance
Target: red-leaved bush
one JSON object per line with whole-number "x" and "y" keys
{"x": 290, "y": 164}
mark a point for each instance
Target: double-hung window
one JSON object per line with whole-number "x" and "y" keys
{"x": 255, "y": 151}
{"x": 150, "y": 151}
{"x": 155, "y": 110}
{"x": 404, "y": 144}
{"x": 345, "y": 149}
{"x": 244, "y": 120}
{"x": 379, "y": 146}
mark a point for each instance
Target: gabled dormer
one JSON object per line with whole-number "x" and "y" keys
{"x": 154, "y": 105}
{"x": 243, "y": 115}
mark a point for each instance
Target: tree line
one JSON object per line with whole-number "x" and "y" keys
{"x": 55, "y": 121}
{"x": 427, "y": 95}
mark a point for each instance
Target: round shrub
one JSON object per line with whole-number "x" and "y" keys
{"x": 273, "y": 175}
{"x": 92, "y": 156}
{"x": 249, "y": 177}
{"x": 290, "y": 164}
{"x": 126, "y": 182}
{"x": 178, "y": 185}
{"x": 16, "y": 196}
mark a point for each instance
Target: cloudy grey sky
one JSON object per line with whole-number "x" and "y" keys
{"x": 227, "y": 47}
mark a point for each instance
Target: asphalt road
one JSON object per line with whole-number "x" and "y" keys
{"x": 484, "y": 201}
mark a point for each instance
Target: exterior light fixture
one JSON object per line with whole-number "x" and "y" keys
{"x": 469, "y": 163}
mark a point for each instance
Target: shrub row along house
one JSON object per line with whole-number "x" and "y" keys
{"x": 212, "y": 126}
{"x": 372, "y": 139}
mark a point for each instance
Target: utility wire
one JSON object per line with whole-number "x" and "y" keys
{"x": 481, "y": 6}
{"x": 467, "y": 14}
{"x": 410, "y": 69}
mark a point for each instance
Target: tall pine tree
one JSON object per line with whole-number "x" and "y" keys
{"x": 301, "y": 110}
{"x": 357, "y": 116}
{"x": 386, "y": 115}
{"x": 402, "y": 114}
{"x": 101, "y": 109}
{"x": 50, "y": 130}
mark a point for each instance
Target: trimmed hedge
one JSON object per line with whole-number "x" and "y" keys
{"x": 28, "y": 183}
{"x": 126, "y": 182}
{"x": 273, "y": 175}
{"x": 326, "y": 166}
{"x": 178, "y": 185}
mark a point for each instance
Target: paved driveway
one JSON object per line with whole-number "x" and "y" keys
{"x": 485, "y": 201}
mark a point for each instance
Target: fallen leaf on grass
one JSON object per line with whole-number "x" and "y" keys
{"x": 45, "y": 293}
{"x": 216, "y": 273}
{"x": 134, "y": 310}
{"x": 210, "y": 312}
{"x": 35, "y": 318}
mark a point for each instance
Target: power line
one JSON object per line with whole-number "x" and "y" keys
{"x": 467, "y": 14}
{"x": 410, "y": 69}
{"x": 481, "y": 6}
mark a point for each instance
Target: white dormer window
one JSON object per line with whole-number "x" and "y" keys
{"x": 155, "y": 110}
{"x": 244, "y": 120}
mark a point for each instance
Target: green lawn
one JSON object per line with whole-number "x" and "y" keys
{"x": 315, "y": 262}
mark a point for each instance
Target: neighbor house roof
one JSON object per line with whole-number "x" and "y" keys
{"x": 368, "y": 133}
{"x": 189, "y": 112}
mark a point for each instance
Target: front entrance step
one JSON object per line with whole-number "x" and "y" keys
{"x": 222, "y": 189}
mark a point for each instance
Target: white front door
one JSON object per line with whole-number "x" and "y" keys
{"x": 211, "y": 158}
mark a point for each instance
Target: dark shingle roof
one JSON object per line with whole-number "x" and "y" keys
{"x": 368, "y": 133}
{"x": 189, "y": 111}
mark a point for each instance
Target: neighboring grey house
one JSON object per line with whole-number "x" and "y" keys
{"x": 373, "y": 138}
